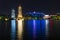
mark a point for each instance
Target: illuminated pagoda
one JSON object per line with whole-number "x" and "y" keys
{"x": 19, "y": 12}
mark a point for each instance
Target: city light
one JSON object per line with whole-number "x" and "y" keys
{"x": 46, "y": 17}
{"x": 47, "y": 27}
{"x": 19, "y": 12}
{"x": 6, "y": 19}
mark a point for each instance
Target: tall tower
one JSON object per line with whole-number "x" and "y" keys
{"x": 19, "y": 12}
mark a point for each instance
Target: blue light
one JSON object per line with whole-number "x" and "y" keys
{"x": 13, "y": 14}
{"x": 33, "y": 28}
{"x": 38, "y": 29}
{"x": 13, "y": 29}
{"x": 30, "y": 28}
{"x": 43, "y": 27}
{"x": 37, "y": 14}
{"x": 46, "y": 27}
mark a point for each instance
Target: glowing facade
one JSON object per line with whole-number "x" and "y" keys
{"x": 46, "y": 17}
{"x": 34, "y": 15}
{"x": 13, "y": 14}
{"x": 19, "y": 12}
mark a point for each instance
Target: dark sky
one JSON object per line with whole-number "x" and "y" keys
{"x": 46, "y": 6}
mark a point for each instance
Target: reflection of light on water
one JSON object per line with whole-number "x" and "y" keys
{"x": 43, "y": 27}
{"x": 47, "y": 23}
{"x": 34, "y": 29}
{"x": 20, "y": 29}
{"x": 6, "y": 24}
{"x": 13, "y": 29}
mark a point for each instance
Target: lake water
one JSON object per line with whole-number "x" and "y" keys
{"x": 29, "y": 29}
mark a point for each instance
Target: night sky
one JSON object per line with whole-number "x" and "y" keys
{"x": 46, "y": 6}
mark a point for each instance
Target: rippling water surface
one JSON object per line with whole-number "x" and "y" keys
{"x": 29, "y": 30}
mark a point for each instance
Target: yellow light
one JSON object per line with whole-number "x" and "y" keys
{"x": 19, "y": 11}
{"x": 6, "y": 19}
{"x": 20, "y": 15}
{"x": 20, "y": 19}
{"x": 29, "y": 18}
{"x": 59, "y": 18}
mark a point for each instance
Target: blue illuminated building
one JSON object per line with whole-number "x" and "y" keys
{"x": 35, "y": 14}
{"x": 13, "y": 14}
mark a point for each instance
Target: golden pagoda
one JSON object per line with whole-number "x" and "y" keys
{"x": 19, "y": 12}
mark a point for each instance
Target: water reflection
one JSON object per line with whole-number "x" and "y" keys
{"x": 13, "y": 29}
{"x": 37, "y": 29}
{"x": 30, "y": 26}
{"x": 2, "y": 30}
{"x": 20, "y": 29}
{"x": 34, "y": 30}
{"x": 43, "y": 30}
{"x": 47, "y": 27}
{"x": 6, "y": 29}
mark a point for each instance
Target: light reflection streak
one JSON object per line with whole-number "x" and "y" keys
{"x": 34, "y": 29}
{"x": 51, "y": 24}
{"x": 6, "y": 24}
{"x": 20, "y": 29}
{"x": 43, "y": 27}
{"x": 13, "y": 29}
{"x": 6, "y": 28}
{"x": 47, "y": 26}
